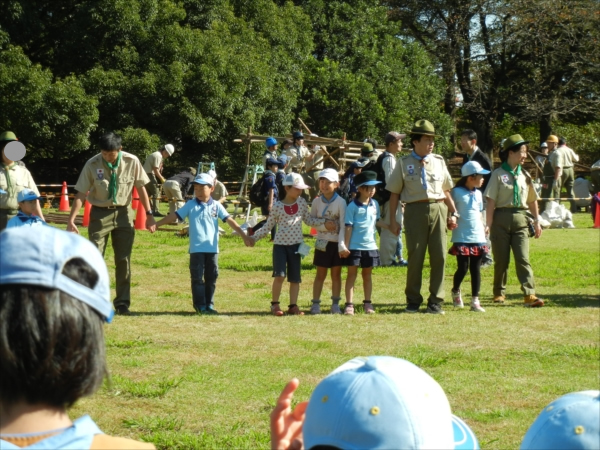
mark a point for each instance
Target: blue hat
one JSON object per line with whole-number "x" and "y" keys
{"x": 284, "y": 159}
{"x": 571, "y": 421}
{"x": 366, "y": 178}
{"x": 41, "y": 258}
{"x": 298, "y": 135}
{"x": 381, "y": 402}
{"x": 26, "y": 195}
{"x": 273, "y": 162}
{"x": 270, "y": 142}
{"x": 473, "y": 168}
{"x": 204, "y": 178}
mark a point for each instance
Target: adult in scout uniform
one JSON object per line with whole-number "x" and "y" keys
{"x": 556, "y": 162}
{"x": 422, "y": 181}
{"x": 509, "y": 193}
{"x": 567, "y": 158}
{"x": 109, "y": 177}
{"x": 153, "y": 168}
{"x": 298, "y": 154}
{"x": 549, "y": 188}
{"x": 14, "y": 177}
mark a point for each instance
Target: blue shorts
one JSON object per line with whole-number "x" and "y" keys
{"x": 363, "y": 258}
{"x": 329, "y": 258}
{"x": 287, "y": 262}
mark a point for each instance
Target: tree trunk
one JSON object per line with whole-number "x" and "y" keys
{"x": 545, "y": 127}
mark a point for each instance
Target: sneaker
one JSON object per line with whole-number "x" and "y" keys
{"x": 498, "y": 298}
{"x": 401, "y": 263}
{"x": 335, "y": 309}
{"x": 476, "y": 307}
{"x": 123, "y": 311}
{"x": 531, "y": 301}
{"x": 315, "y": 308}
{"x": 457, "y": 299}
{"x": 349, "y": 309}
{"x": 275, "y": 309}
{"x": 434, "y": 308}
{"x": 200, "y": 310}
{"x": 210, "y": 310}
{"x": 412, "y": 308}
{"x": 368, "y": 307}
{"x": 293, "y": 310}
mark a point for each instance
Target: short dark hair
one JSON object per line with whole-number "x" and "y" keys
{"x": 415, "y": 137}
{"x": 110, "y": 141}
{"x": 503, "y": 155}
{"x": 469, "y": 133}
{"x": 51, "y": 344}
{"x": 562, "y": 141}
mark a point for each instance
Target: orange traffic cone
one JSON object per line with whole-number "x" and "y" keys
{"x": 64, "y": 198}
{"x": 597, "y": 218}
{"x": 313, "y": 231}
{"x": 140, "y": 219}
{"x": 86, "y": 214}
{"x": 135, "y": 199}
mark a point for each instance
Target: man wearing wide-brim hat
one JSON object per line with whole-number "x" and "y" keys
{"x": 510, "y": 193}
{"x": 14, "y": 177}
{"x": 422, "y": 181}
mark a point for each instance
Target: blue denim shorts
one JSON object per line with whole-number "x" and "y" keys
{"x": 287, "y": 262}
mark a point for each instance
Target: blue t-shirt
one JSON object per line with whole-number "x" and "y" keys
{"x": 204, "y": 224}
{"x": 362, "y": 218}
{"x": 469, "y": 205}
{"x": 23, "y": 220}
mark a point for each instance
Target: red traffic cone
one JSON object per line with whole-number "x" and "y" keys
{"x": 313, "y": 231}
{"x": 86, "y": 214}
{"x": 64, "y": 198}
{"x": 597, "y": 218}
{"x": 135, "y": 199}
{"x": 140, "y": 219}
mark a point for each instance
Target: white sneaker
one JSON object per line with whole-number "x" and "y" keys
{"x": 476, "y": 307}
{"x": 457, "y": 299}
{"x": 335, "y": 309}
{"x": 349, "y": 309}
{"x": 315, "y": 308}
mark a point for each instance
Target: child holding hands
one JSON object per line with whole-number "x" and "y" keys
{"x": 288, "y": 214}
{"x": 360, "y": 247}
{"x": 203, "y": 213}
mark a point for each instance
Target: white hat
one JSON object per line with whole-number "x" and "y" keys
{"x": 204, "y": 178}
{"x": 295, "y": 180}
{"x": 169, "y": 149}
{"x": 212, "y": 173}
{"x": 330, "y": 174}
{"x": 544, "y": 145}
{"x": 473, "y": 168}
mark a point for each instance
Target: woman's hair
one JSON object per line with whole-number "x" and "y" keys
{"x": 462, "y": 182}
{"x": 503, "y": 155}
{"x": 51, "y": 344}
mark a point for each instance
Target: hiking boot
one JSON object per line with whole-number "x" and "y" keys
{"x": 498, "y": 298}
{"x": 335, "y": 309}
{"x": 434, "y": 308}
{"x": 475, "y": 306}
{"x": 123, "y": 311}
{"x": 457, "y": 299}
{"x": 412, "y": 308}
{"x": 293, "y": 310}
{"x": 275, "y": 309}
{"x": 531, "y": 301}
{"x": 349, "y": 309}
{"x": 368, "y": 307}
{"x": 316, "y": 307}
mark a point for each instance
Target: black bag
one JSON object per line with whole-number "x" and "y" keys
{"x": 382, "y": 195}
{"x": 257, "y": 196}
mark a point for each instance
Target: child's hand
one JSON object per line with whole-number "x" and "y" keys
{"x": 249, "y": 241}
{"x": 286, "y": 424}
{"x": 331, "y": 225}
{"x": 344, "y": 253}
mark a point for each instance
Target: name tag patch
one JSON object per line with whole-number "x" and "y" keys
{"x": 411, "y": 169}
{"x": 504, "y": 178}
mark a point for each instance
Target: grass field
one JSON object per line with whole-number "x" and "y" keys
{"x": 181, "y": 380}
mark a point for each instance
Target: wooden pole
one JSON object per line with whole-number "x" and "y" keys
{"x": 248, "y": 144}
{"x": 304, "y": 125}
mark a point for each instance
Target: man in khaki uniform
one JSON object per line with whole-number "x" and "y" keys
{"x": 153, "y": 167}
{"x": 568, "y": 158}
{"x": 220, "y": 192}
{"x": 177, "y": 187}
{"x": 14, "y": 177}
{"x": 108, "y": 180}
{"x": 298, "y": 154}
{"x": 509, "y": 193}
{"x": 422, "y": 181}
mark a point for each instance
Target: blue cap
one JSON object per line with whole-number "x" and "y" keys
{"x": 381, "y": 402}
{"x": 204, "y": 178}
{"x": 270, "y": 142}
{"x": 26, "y": 195}
{"x": 571, "y": 421}
{"x": 273, "y": 162}
{"x": 473, "y": 168}
{"x": 284, "y": 159}
{"x": 41, "y": 258}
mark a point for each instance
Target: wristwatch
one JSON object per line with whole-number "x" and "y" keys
{"x": 149, "y": 213}
{"x": 455, "y": 214}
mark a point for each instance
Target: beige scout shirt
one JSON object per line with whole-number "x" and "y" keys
{"x": 220, "y": 191}
{"x": 406, "y": 179}
{"x": 568, "y": 156}
{"x": 500, "y": 189}
{"x": 20, "y": 178}
{"x": 95, "y": 177}
{"x": 297, "y": 155}
{"x": 153, "y": 161}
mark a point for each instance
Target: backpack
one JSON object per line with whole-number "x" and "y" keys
{"x": 382, "y": 195}
{"x": 344, "y": 189}
{"x": 256, "y": 195}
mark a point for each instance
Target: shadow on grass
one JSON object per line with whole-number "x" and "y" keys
{"x": 192, "y": 313}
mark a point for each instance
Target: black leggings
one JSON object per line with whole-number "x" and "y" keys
{"x": 465, "y": 263}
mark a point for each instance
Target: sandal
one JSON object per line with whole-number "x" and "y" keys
{"x": 293, "y": 310}
{"x": 275, "y": 309}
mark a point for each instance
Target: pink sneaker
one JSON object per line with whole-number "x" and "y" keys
{"x": 457, "y": 299}
{"x": 368, "y": 307}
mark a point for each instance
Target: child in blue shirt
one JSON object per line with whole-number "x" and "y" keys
{"x": 203, "y": 213}
{"x": 469, "y": 237}
{"x": 27, "y": 207}
{"x": 360, "y": 247}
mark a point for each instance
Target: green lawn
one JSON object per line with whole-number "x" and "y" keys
{"x": 186, "y": 381}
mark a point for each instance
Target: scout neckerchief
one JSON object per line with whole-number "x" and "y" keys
{"x": 515, "y": 173}
{"x": 113, "y": 184}
{"x": 25, "y": 218}
{"x": 8, "y": 182}
{"x": 328, "y": 203}
{"x": 423, "y": 161}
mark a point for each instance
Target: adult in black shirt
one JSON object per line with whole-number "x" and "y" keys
{"x": 177, "y": 187}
